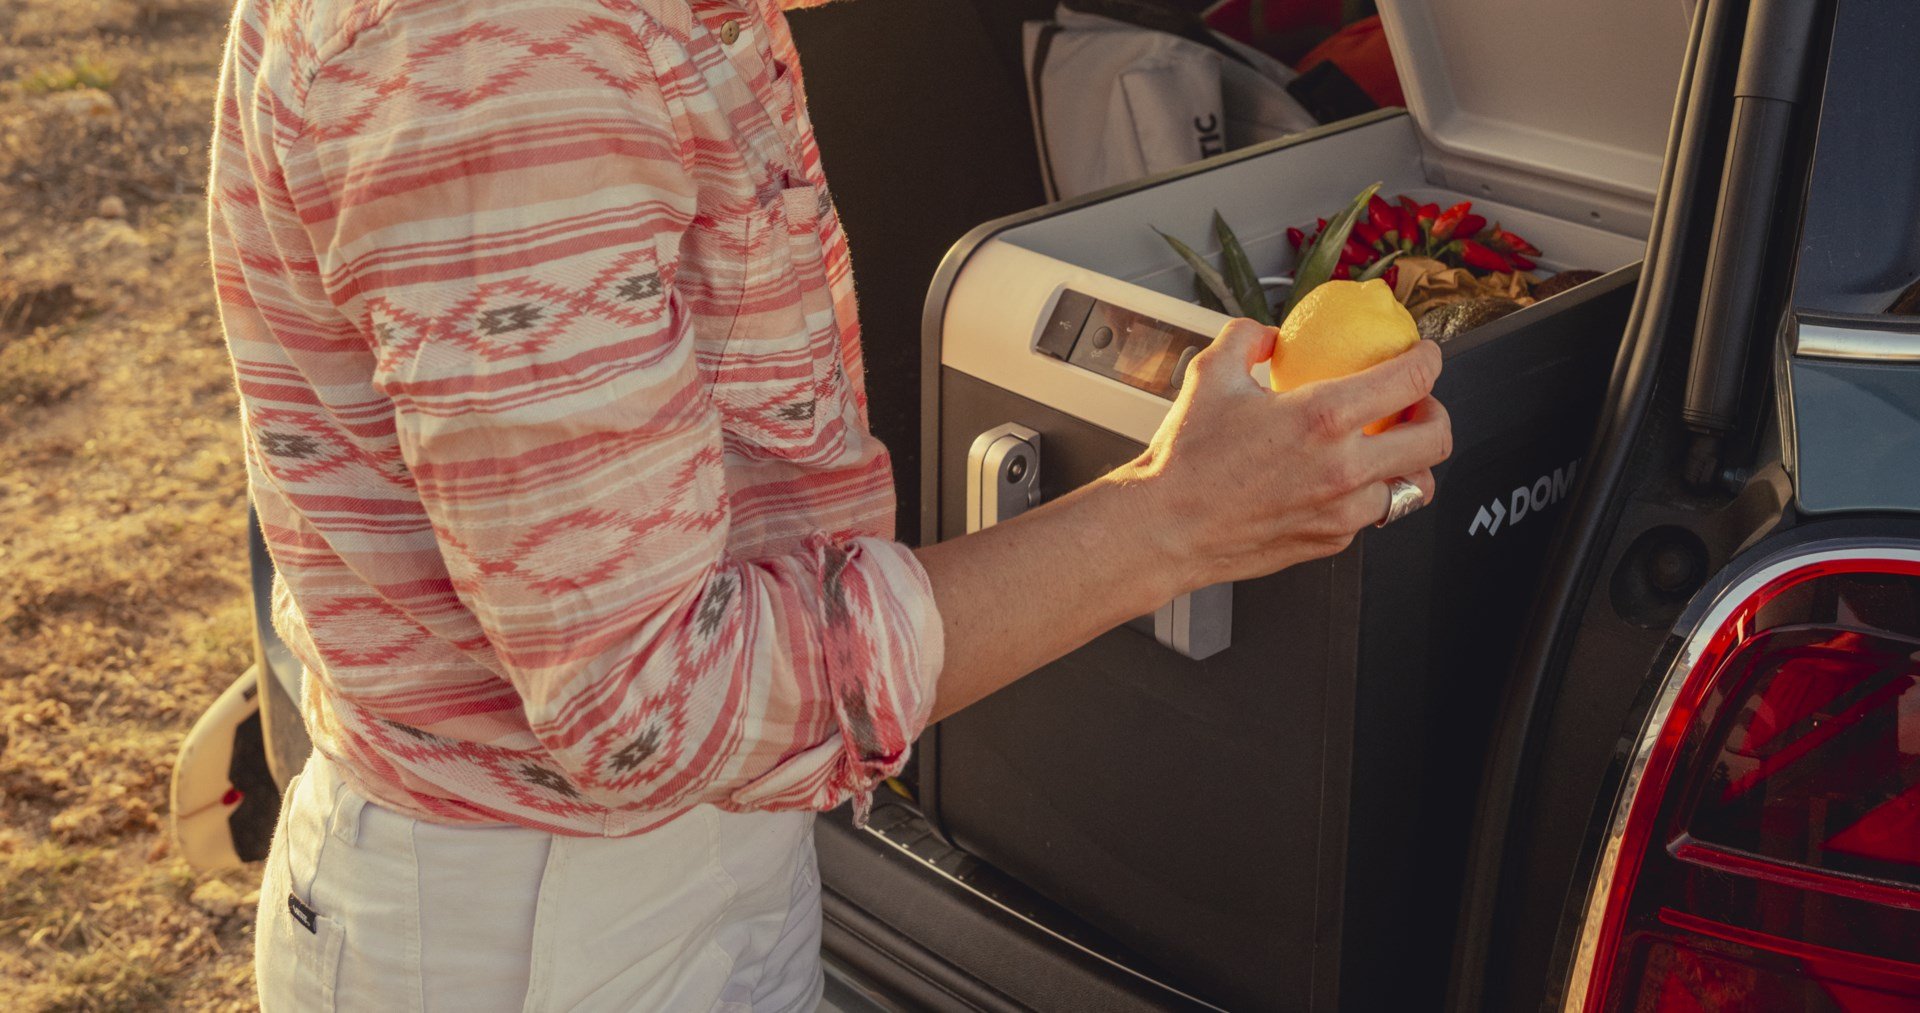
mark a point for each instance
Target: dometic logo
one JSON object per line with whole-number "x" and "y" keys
{"x": 1212, "y": 141}
{"x": 1514, "y": 507}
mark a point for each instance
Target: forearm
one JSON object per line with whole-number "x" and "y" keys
{"x": 1022, "y": 593}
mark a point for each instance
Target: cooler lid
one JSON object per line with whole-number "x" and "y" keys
{"x": 1567, "y": 92}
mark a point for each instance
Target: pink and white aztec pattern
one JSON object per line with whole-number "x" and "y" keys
{"x": 545, "y": 335}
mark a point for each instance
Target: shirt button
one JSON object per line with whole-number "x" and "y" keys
{"x": 729, "y": 33}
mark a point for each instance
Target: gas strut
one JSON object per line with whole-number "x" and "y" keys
{"x": 1773, "y": 57}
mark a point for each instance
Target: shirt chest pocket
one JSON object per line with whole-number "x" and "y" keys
{"x": 780, "y": 379}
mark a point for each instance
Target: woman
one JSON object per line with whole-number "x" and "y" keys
{"x": 550, "y": 370}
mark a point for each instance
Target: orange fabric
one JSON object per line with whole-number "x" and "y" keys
{"x": 1360, "y": 50}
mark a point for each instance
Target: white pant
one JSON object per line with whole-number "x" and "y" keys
{"x": 363, "y": 908}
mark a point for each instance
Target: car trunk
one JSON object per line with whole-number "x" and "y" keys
{"x": 1278, "y": 824}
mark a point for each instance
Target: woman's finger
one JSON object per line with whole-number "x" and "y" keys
{"x": 1367, "y": 505}
{"x": 1240, "y": 346}
{"x": 1346, "y": 404}
{"x": 1425, "y": 439}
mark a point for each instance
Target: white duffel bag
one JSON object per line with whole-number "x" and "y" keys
{"x": 1145, "y": 90}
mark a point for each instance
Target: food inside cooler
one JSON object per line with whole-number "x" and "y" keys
{"x": 1236, "y": 288}
{"x": 1451, "y": 268}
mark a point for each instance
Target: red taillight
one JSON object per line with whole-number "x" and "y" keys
{"x": 1765, "y": 854}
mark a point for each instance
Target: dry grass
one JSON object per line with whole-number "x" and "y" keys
{"x": 122, "y": 561}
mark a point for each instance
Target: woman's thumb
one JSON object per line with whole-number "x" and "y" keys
{"x": 1241, "y": 345}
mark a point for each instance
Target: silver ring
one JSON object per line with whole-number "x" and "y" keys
{"x": 1403, "y": 498}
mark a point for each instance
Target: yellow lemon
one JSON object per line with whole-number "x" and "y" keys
{"x": 1341, "y": 327}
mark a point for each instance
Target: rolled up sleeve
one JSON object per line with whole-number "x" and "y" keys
{"x": 880, "y": 643}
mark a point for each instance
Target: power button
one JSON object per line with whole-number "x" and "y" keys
{"x": 1180, "y": 366}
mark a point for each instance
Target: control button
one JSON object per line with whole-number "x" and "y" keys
{"x": 1180, "y": 366}
{"x": 1102, "y": 337}
{"x": 730, "y": 33}
{"x": 1069, "y": 316}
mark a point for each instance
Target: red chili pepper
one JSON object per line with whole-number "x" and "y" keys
{"x": 1367, "y": 233}
{"x": 1341, "y": 272}
{"x": 1322, "y": 227}
{"x": 1296, "y": 237}
{"x": 1428, "y": 212}
{"x": 1409, "y": 205}
{"x": 1380, "y": 214}
{"x": 1470, "y": 227}
{"x": 1520, "y": 263}
{"x": 1502, "y": 239}
{"x": 1449, "y": 220}
{"x": 1391, "y": 276}
{"x": 1476, "y": 255}
{"x": 1356, "y": 254}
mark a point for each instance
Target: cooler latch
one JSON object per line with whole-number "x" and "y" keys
{"x": 1198, "y": 624}
{"x": 1003, "y": 475}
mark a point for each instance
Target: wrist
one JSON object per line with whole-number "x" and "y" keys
{"x": 1137, "y": 503}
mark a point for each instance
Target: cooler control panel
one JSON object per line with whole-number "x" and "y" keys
{"x": 1119, "y": 343}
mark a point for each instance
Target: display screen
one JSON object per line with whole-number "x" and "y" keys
{"x": 1148, "y": 354}
{"x": 1113, "y": 341}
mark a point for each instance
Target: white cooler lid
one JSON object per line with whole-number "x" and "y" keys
{"x": 1557, "y": 96}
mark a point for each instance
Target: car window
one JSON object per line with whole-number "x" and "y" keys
{"x": 1860, "y": 239}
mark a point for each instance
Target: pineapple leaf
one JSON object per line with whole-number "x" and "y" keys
{"x": 1206, "y": 297}
{"x": 1206, "y": 273}
{"x": 1240, "y": 274}
{"x": 1378, "y": 267}
{"x": 1317, "y": 265}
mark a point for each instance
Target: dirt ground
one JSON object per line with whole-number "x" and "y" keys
{"x": 122, "y": 526}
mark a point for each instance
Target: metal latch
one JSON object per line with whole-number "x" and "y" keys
{"x": 1003, "y": 475}
{"x": 1003, "y": 482}
{"x": 1198, "y": 624}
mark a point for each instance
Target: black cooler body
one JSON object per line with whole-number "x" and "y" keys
{"x": 1270, "y": 807}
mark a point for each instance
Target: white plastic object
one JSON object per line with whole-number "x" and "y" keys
{"x": 1558, "y": 105}
{"x": 202, "y": 796}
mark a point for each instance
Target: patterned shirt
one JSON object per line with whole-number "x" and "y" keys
{"x": 544, "y": 331}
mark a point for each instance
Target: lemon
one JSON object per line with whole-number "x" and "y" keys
{"x": 1341, "y": 327}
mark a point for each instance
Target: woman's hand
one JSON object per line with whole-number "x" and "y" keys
{"x": 1241, "y": 481}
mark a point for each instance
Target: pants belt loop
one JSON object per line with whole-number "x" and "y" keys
{"x": 348, "y": 806}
